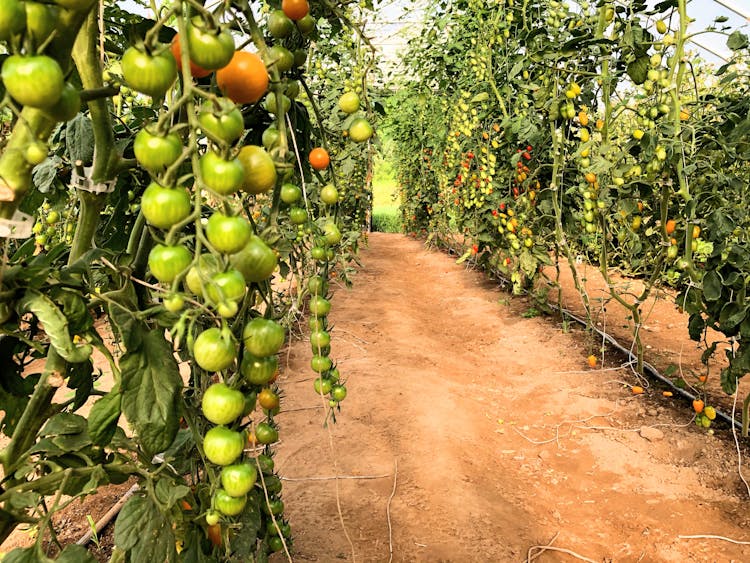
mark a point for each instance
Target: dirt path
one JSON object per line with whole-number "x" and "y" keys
{"x": 503, "y": 438}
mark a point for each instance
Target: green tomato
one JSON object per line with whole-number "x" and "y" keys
{"x": 338, "y": 393}
{"x": 209, "y": 49}
{"x": 290, "y": 193}
{"x": 33, "y": 81}
{"x": 320, "y": 364}
{"x": 223, "y": 446}
{"x": 12, "y": 18}
{"x": 258, "y": 371}
{"x": 279, "y": 25}
{"x": 227, "y": 504}
{"x": 317, "y": 285}
{"x": 349, "y": 102}
{"x": 224, "y": 124}
{"x": 226, "y": 286}
{"x": 272, "y": 107}
{"x": 329, "y": 194}
{"x": 331, "y": 233}
{"x": 298, "y": 215}
{"x": 214, "y": 350}
{"x": 206, "y": 267}
{"x": 266, "y": 434}
{"x": 256, "y": 260}
{"x": 165, "y": 207}
{"x": 263, "y": 337}
{"x": 221, "y": 404}
{"x": 156, "y": 152}
{"x": 41, "y": 20}
{"x": 281, "y": 57}
{"x": 322, "y": 386}
{"x": 168, "y": 262}
{"x": 239, "y": 479}
{"x": 68, "y": 106}
{"x": 319, "y": 306}
{"x": 360, "y": 130}
{"x": 228, "y": 234}
{"x": 148, "y": 74}
{"x": 223, "y": 177}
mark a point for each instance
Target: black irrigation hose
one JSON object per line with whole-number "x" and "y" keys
{"x": 647, "y": 368}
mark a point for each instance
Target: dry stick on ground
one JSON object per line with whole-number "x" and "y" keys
{"x": 388, "y": 511}
{"x": 712, "y": 537}
{"x": 107, "y": 518}
{"x": 572, "y": 424}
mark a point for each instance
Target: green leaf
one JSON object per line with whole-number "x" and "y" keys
{"x": 104, "y": 416}
{"x": 737, "y": 40}
{"x": 638, "y": 70}
{"x": 696, "y": 326}
{"x": 64, "y": 423}
{"x": 730, "y": 317}
{"x": 19, "y": 555}
{"x": 168, "y": 493}
{"x": 75, "y": 554}
{"x": 712, "y": 285}
{"x": 481, "y": 97}
{"x": 55, "y": 325}
{"x": 244, "y": 544}
{"x": 144, "y": 532}
{"x": 81, "y": 378}
{"x": 43, "y": 175}
{"x": 151, "y": 387}
{"x": 121, "y": 306}
{"x": 79, "y": 139}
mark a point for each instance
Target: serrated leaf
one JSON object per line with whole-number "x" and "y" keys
{"x": 79, "y": 139}
{"x": 696, "y": 326}
{"x": 55, "y": 325}
{"x": 143, "y": 532}
{"x": 712, "y": 285}
{"x": 103, "y": 417}
{"x": 151, "y": 386}
{"x": 737, "y": 40}
{"x": 43, "y": 175}
{"x": 168, "y": 493}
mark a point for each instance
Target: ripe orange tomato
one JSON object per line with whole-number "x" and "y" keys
{"x": 195, "y": 70}
{"x": 295, "y": 9}
{"x": 698, "y": 405}
{"x": 245, "y": 79}
{"x": 670, "y": 226}
{"x": 319, "y": 158}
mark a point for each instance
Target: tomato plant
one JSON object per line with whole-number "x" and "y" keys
{"x": 154, "y": 210}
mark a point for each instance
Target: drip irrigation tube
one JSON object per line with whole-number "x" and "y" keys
{"x": 647, "y": 368}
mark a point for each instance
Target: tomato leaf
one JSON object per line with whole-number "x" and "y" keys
{"x": 55, "y": 325}
{"x": 43, "y": 175}
{"x": 19, "y": 555}
{"x": 712, "y": 285}
{"x": 168, "y": 493}
{"x": 143, "y": 531}
{"x": 151, "y": 386}
{"x": 122, "y": 303}
{"x": 103, "y": 417}
{"x": 79, "y": 139}
{"x": 75, "y": 554}
{"x": 737, "y": 41}
{"x": 244, "y": 544}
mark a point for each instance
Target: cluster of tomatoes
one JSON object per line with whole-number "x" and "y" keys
{"x": 219, "y": 260}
